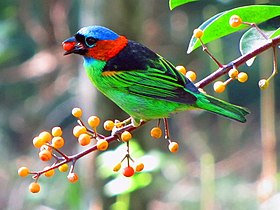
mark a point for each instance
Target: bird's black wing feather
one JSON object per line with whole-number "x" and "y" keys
{"x": 143, "y": 72}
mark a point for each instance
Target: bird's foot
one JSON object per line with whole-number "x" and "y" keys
{"x": 120, "y": 124}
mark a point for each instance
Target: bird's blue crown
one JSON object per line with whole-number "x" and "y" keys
{"x": 98, "y": 32}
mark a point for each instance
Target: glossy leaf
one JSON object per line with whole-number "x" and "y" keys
{"x": 218, "y": 25}
{"x": 253, "y": 39}
{"x": 175, "y": 3}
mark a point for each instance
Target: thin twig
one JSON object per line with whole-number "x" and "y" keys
{"x": 237, "y": 62}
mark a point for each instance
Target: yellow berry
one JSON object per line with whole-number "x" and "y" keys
{"x": 46, "y": 147}
{"x": 93, "y": 121}
{"x": 38, "y": 142}
{"x": 63, "y": 168}
{"x": 102, "y": 144}
{"x": 77, "y": 112}
{"x": 219, "y": 86}
{"x": 50, "y": 172}
{"x": 242, "y": 77}
{"x": 156, "y": 132}
{"x": 117, "y": 167}
{"x": 197, "y": 33}
{"x": 56, "y": 131}
{"x": 263, "y": 84}
{"x": 45, "y": 136}
{"x": 233, "y": 73}
{"x": 84, "y": 139}
{"x": 109, "y": 125}
{"x": 173, "y": 146}
{"x": 181, "y": 69}
{"x": 126, "y": 136}
{"x": 34, "y": 187}
{"x": 23, "y": 171}
{"x": 191, "y": 75}
{"x": 78, "y": 130}
{"x": 139, "y": 167}
{"x": 45, "y": 155}
{"x": 72, "y": 177}
{"x": 57, "y": 142}
{"x": 235, "y": 21}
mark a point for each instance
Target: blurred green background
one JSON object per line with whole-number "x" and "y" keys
{"x": 221, "y": 164}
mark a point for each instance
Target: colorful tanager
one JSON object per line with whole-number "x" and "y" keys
{"x": 141, "y": 82}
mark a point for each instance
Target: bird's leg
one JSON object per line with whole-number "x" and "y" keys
{"x": 119, "y": 124}
{"x": 128, "y": 122}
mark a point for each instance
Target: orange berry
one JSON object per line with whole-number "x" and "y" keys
{"x": 235, "y": 21}
{"x": 126, "y": 136}
{"x": 45, "y": 136}
{"x": 78, "y": 130}
{"x": 38, "y": 142}
{"x": 219, "y": 86}
{"x": 84, "y": 139}
{"x": 50, "y": 172}
{"x": 34, "y": 187}
{"x": 77, "y": 112}
{"x": 63, "y": 168}
{"x": 191, "y": 75}
{"x": 242, "y": 77}
{"x": 173, "y": 146}
{"x": 93, "y": 121}
{"x": 45, "y": 147}
{"x": 128, "y": 171}
{"x": 56, "y": 131}
{"x": 102, "y": 144}
{"x": 181, "y": 69}
{"x": 23, "y": 171}
{"x": 117, "y": 167}
{"x": 233, "y": 73}
{"x": 57, "y": 142}
{"x": 109, "y": 125}
{"x": 72, "y": 177}
{"x": 45, "y": 155}
{"x": 156, "y": 132}
{"x": 139, "y": 167}
{"x": 197, "y": 33}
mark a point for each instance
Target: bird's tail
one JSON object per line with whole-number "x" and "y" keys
{"x": 223, "y": 108}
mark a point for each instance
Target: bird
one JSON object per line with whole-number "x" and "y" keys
{"x": 141, "y": 82}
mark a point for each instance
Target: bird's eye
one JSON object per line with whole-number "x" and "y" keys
{"x": 90, "y": 41}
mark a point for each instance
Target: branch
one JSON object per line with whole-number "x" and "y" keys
{"x": 237, "y": 62}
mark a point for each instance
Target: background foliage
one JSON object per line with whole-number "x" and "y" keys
{"x": 219, "y": 163}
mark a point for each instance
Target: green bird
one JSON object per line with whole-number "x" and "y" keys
{"x": 142, "y": 83}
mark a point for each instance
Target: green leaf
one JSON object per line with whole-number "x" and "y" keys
{"x": 218, "y": 25}
{"x": 175, "y": 3}
{"x": 275, "y": 33}
{"x": 253, "y": 39}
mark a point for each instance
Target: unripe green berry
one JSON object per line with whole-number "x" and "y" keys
{"x": 263, "y": 84}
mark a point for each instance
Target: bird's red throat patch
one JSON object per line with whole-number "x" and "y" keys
{"x": 107, "y": 49}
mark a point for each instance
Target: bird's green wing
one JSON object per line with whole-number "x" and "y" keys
{"x": 159, "y": 79}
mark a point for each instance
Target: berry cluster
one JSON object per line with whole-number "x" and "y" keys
{"x": 128, "y": 170}
{"x": 233, "y": 74}
{"x": 219, "y": 86}
{"x": 191, "y": 75}
{"x": 50, "y": 144}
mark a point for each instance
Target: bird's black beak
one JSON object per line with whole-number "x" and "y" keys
{"x": 71, "y": 45}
